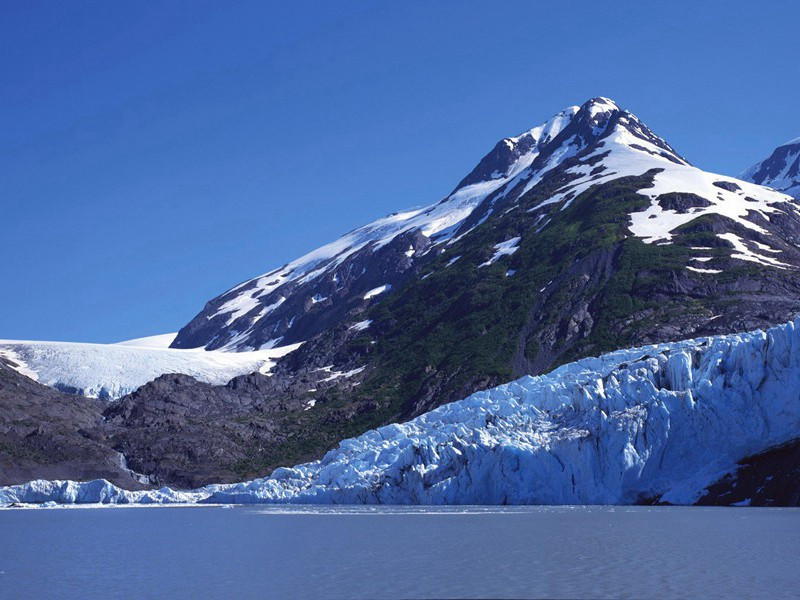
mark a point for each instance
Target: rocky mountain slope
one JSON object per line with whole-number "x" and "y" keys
{"x": 584, "y": 235}
{"x": 46, "y": 433}
{"x": 665, "y": 423}
{"x": 780, "y": 171}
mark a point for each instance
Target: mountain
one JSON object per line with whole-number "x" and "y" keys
{"x": 781, "y": 171}
{"x": 582, "y": 236}
{"x": 307, "y": 296}
{"x": 542, "y": 170}
{"x": 665, "y": 423}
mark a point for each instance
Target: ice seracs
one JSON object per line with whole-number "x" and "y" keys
{"x": 657, "y": 422}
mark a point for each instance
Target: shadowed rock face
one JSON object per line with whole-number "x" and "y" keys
{"x": 178, "y": 431}
{"x": 771, "y": 478}
{"x": 46, "y": 434}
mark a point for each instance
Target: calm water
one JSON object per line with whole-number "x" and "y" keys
{"x": 339, "y": 552}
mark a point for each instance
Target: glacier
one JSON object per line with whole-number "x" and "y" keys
{"x": 110, "y": 371}
{"x": 660, "y": 422}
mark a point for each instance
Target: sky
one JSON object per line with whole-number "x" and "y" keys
{"x": 153, "y": 155}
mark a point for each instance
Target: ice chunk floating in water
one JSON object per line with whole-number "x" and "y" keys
{"x": 660, "y": 421}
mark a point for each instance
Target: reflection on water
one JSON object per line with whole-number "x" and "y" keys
{"x": 409, "y": 552}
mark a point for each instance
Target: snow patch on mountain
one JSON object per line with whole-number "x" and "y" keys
{"x": 506, "y": 248}
{"x": 742, "y": 252}
{"x": 361, "y": 325}
{"x": 624, "y": 154}
{"x": 110, "y": 371}
{"x": 377, "y": 291}
{"x": 657, "y": 422}
{"x": 700, "y": 270}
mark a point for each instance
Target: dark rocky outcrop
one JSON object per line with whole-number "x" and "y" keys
{"x": 771, "y": 478}
{"x": 681, "y": 203}
{"x": 46, "y": 434}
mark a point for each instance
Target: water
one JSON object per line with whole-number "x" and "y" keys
{"x": 335, "y": 552}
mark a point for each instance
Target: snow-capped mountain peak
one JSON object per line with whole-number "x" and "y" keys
{"x": 578, "y": 148}
{"x": 242, "y": 310}
{"x": 780, "y": 171}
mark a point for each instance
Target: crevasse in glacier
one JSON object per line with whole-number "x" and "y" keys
{"x": 660, "y": 421}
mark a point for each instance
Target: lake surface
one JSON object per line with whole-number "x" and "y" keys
{"x": 336, "y": 552}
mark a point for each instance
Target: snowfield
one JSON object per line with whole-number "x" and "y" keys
{"x": 110, "y": 371}
{"x": 661, "y": 421}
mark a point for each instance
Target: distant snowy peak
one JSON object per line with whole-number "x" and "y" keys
{"x": 781, "y": 171}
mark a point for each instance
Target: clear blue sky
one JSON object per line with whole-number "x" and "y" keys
{"x": 156, "y": 153}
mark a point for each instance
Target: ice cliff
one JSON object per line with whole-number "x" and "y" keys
{"x": 661, "y": 421}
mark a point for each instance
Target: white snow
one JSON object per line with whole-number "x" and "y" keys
{"x": 627, "y": 158}
{"x": 699, "y": 270}
{"x": 361, "y": 325}
{"x": 506, "y": 248}
{"x": 631, "y": 155}
{"x": 152, "y": 341}
{"x": 337, "y": 374}
{"x": 742, "y": 252}
{"x": 659, "y": 421}
{"x": 452, "y": 260}
{"x": 112, "y": 370}
{"x": 377, "y": 291}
